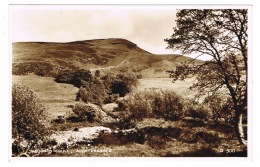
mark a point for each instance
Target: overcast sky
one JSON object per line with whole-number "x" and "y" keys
{"x": 147, "y": 26}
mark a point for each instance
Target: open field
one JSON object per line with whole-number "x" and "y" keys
{"x": 180, "y": 87}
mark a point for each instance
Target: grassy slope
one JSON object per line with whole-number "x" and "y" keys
{"x": 55, "y": 96}
{"x": 102, "y": 53}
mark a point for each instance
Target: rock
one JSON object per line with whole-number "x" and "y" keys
{"x": 83, "y": 135}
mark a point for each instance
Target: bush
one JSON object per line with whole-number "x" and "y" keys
{"x": 139, "y": 76}
{"x": 77, "y": 78}
{"x": 208, "y": 137}
{"x": 221, "y": 108}
{"x": 168, "y": 104}
{"x": 152, "y": 103}
{"x": 196, "y": 110}
{"x": 97, "y": 73}
{"x": 120, "y": 84}
{"x": 139, "y": 106}
{"x": 122, "y": 105}
{"x": 27, "y": 117}
{"x": 37, "y": 68}
{"x": 95, "y": 90}
{"x": 80, "y": 77}
{"x": 92, "y": 91}
{"x": 84, "y": 112}
{"x": 59, "y": 120}
{"x": 65, "y": 76}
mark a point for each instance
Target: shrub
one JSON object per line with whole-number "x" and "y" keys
{"x": 84, "y": 112}
{"x": 92, "y": 91}
{"x": 139, "y": 106}
{"x": 208, "y": 137}
{"x": 114, "y": 97}
{"x": 80, "y": 77}
{"x": 139, "y": 76}
{"x": 124, "y": 83}
{"x": 27, "y": 117}
{"x": 120, "y": 84}
{"x": 97, "y": 73}
{"x": 82, "y": 95}
{"x": 91, "y": 88}
{"x": 157, "y": 142}
{"x": 221, "y": 108}
{"x": 154, "y": 103}
{"x": 122, "y": 105}
{"x": 37, "y": 68}
{"x": 168, "y": 104}
{"x": 59, "y": 120}
{"x": 196, "y": 110}
{"x": 65, "y": 76}
{"x": 77, "y": 78}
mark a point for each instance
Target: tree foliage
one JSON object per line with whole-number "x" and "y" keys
{"x": 222, "y": 36}
{"x": 27, "y": 117}
{"x": 92, "y": 91}
{"x": 77, "y": 77}
{"x": 120, "y": 84}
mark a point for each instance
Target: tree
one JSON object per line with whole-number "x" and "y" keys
{"x": 123, "y": 84}
{"x": 77, "y": 77}
{"x": 28, "y": 127}
{"x": 222, "y": 36}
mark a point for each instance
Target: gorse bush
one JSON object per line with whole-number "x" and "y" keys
{"x": 27, "y": 117}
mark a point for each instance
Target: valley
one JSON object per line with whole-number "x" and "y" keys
{"x": 153, "y": 117}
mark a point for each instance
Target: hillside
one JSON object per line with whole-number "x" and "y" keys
{"x": 55, "y": 96}
{"x": 118, "y": 55}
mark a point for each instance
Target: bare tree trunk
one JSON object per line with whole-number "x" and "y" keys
{"x": 239, "y": 128}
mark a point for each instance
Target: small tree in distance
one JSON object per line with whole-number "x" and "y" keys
{"x": 97, "y": 73}
{"x": 221, "y": 35}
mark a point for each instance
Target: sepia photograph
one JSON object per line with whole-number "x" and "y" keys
{"x": 129, "y": 81}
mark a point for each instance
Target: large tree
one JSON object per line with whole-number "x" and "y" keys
{"x": 222, "y": 36}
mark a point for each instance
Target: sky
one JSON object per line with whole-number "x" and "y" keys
{"x": 147, "y": 26}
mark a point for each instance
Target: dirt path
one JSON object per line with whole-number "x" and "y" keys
{"x": 110, "y": 67}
